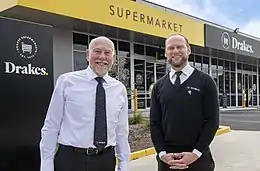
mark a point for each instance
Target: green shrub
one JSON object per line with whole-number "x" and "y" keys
{"x": 137, "y": 118}
{"x": 146, "y": 125}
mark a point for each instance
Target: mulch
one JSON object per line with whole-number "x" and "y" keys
{"x": 139, "y": 137}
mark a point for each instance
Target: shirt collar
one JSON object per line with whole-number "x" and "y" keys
{"x": 186, "y": 70}
{"x": 91, "y": 75}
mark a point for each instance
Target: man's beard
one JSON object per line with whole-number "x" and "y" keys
{"x": 177, "y": 64}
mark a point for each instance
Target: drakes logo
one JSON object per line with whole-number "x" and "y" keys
{"x": 225, "y": 39}
{"x": 26, "y": 47}
{"x": 234, "y": 43}
{"x": 190, "y": 89}
{"x": 11, "y": 68}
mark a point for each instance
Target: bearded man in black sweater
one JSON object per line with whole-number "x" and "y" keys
{"x": 184, "y": 113}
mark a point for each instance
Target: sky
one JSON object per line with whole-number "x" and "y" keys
{"x": 242, "y": 14}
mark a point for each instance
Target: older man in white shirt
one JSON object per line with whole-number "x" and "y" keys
{"x": 87, "y": 118}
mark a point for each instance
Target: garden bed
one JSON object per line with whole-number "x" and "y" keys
{"x": 139, "y": 137}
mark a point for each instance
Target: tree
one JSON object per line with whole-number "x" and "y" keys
{"x": 121, "y": 72}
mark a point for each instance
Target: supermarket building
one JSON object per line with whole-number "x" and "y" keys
{"x": 42, "y": 39}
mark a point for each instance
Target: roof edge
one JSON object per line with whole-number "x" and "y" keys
{"x": 7, "y": 4}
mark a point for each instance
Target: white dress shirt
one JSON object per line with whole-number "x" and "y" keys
{"x": 71, "y": 115}
{"x": 186, "y": 73}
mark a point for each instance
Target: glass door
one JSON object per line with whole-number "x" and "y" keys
{"x": 149, "y": 82}
{"x": 247, "y": 89}
{"x": 240, "y": 88}
{"x": 254, "y": 87}
{"x": 139, "y": 77}
{"x": 250, "y": 90}
{"x": 161, "y": 70}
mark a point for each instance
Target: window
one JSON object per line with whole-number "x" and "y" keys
{"x": 80, "y": 39}
{"x": 191, "y": 60}
{"x": 198, "y": 61}
{"x": 220, "y": 64}
{"x": 233, "y": 66}
{"x": 80, "y": 44}
{"x": 139, "y": 49}
{"x": 149, "y": 81}
{"x": 161, "y": 54}
{"x": 221, "y": 81}
{"x": 227, "y": 84}
{"x": 247, "y": 67}
{"x": 254, "y": 84}
{"x": 226, "y": 65}
{"x": 214, "y": 63}
{"x": 139, "y": 76}
{"x": 124, "y": 76}
{"x": 215, "y": 76}
{"x": 152, "y": 51}
{"x": 80, "y": 61}
{"x": 205, "y": 62}
{"x": 233, "y": 82}
{"x": 239, "y": 66}
{"x": 254, "y": 68}
{"x": 160, "y": 70}
{"x": 115, "y": 45}
{"x": 205, "y": 65}
{"x": 124, "y": 49}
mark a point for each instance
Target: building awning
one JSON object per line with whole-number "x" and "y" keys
{"x": 128, "y": 15}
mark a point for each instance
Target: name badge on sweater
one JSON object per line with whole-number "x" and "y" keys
{"x": 192, "y": 88}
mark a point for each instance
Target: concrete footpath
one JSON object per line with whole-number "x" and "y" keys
{"x": 233, "y": 151}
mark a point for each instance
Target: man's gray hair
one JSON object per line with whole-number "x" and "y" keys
{"x": 92, "y": 43}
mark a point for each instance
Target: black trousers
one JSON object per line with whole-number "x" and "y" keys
{"x": 69, "y": 159}
{"x": 204, "y": 163}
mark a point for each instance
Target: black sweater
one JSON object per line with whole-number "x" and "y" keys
{"x": 185, "y": 115}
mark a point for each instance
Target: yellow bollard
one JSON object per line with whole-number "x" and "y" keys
{"x": 244, "y": 99}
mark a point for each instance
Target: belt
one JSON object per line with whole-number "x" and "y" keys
{"x": 89, "y": 151}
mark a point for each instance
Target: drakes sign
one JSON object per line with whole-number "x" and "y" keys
{"x": 27, "y": 48}
{"x": 11, "y": 68}
{"x": 26, "y": 74}
{"x": 232, "y": 42}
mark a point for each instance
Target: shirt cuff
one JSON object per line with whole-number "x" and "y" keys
{"x": 197, "y": 152}
{"x": 123, "y": 166}
{"x": 161, "y": 154}
{"x": 47, "y": 165}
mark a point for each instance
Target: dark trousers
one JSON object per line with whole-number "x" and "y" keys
{"x": 69, "y": 159}
{"x": 204, "y": 163}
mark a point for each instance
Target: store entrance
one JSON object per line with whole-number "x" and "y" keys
{"x": 146, "y": 72}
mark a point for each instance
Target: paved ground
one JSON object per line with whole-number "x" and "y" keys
{"x": 234, "y": 151}
{"x": 241, "y": 119}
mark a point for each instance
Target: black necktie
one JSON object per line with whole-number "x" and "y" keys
{"x": 178, "y": 80}
{"x": 100, "y": 130}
